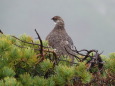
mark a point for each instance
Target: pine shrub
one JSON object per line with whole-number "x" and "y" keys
{"x": 21, "y": 65}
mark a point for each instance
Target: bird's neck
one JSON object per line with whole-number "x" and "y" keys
{"x": 59, "y": 27}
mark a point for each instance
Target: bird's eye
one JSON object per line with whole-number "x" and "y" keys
{"x": 54, "y": 18}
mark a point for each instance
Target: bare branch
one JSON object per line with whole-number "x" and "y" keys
{"x": 28, "y": 42}
{"x": 1, "y": 32}
{"x": 19, "y": 46}
{"x": 72, "y": 54}
{"x": 24, "y": 41}
{"x": 41, "y": 44}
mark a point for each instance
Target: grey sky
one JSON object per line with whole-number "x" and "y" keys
{"x": 90, "y": 23}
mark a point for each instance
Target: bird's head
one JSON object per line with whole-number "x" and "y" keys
{"x": 58, "y": 20}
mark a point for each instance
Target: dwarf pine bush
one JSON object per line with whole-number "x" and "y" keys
{"x": 21, "y": 65}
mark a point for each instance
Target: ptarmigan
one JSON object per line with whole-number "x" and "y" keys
{"x": 59, "y": 39}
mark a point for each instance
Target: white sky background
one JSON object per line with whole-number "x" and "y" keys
{"x": 90, "y": 23}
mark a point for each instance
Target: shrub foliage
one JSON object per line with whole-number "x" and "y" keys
{"x": 23, "y": 62}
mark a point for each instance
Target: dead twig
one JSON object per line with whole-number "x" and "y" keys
{"x": 41, "y": 44}
{"x": 95, "y": 58}
{"x": 19, "y": 46}
{"x": 72, "y": 54}
{"x": 1, "y": 32}
{"x": 24, "y": 41}
{"x": 41, "y": 48}
{"x": 28, "y": 42}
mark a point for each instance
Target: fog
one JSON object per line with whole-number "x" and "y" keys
{"x": 90, "y": 23}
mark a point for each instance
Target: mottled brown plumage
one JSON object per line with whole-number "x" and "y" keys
{"x": 59, "y": 39}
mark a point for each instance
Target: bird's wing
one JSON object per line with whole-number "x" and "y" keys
{"x": 70, "y": 40}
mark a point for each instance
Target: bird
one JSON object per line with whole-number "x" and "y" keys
{"x": 59, "y": 39}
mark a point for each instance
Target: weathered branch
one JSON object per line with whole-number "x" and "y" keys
{"x": 94, "y": 59}
{"x": 27, "y": 42}
{"x": 1, "y": 32}
{"x": 41, "y": 44}
{"x": 19, "y": 46}
{"x": 72, "y": 54}
{"x": 24, "y": 41}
